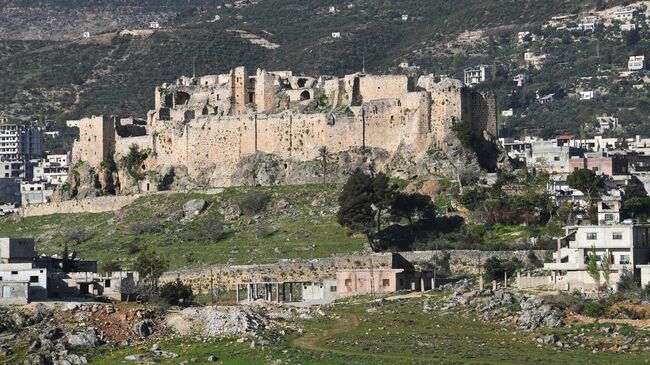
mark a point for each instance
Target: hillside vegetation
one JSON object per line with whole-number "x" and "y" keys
{"x": 295, "y": 222}
{"x": 115, "y": 74}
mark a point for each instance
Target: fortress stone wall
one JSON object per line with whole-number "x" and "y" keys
{"x": 211, "y": 123}
{"x": 90, "y": 205}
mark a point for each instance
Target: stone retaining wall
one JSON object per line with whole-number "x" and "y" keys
{"x": 306, "y": 270}
{"x": 90, "y": 205}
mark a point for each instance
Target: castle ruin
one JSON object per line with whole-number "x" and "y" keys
{"x": 206, "y": 126}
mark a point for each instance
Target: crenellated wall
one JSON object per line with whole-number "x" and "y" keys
{"x": 212, "y": 123}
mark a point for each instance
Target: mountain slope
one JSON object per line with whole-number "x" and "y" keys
{"x": 116, "y": 74}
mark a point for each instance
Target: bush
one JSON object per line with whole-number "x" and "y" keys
{"x": 495, "y": 268}
{"x": 144, "y": 227}
{"x": 133, "y": 248}
{"x": 111, "y": 266}
{"x": 77, "y": 236}
{"x": 254, "y": 202}
{"x": 176, "y": 293}
{"x": 208, "y": 229}
{"x": 594, "y": 309}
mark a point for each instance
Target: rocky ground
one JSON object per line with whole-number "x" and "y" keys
{"x": 66, "y": 333}
{"x": 541, "y": 315}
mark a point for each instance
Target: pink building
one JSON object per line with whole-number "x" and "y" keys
{"x": 601, "y": 165}
{"x": 381, "y": 280}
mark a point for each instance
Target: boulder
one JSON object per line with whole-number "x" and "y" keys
{"x": 194, "y": 207}
{"x": 230, "y": 211}
{"x": 144, "y": 328}
{"x": 136, "y": 357}
{"x": 87, "y": 338}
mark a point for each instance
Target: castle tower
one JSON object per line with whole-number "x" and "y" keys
{"x": 238, "y": 82}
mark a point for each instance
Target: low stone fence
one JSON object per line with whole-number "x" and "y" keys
{"x": 307, "y": 270}
{"x": 90, "y": 205}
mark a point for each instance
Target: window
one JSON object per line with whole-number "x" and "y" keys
{"x": 333, "y": 289}
{"x": 348, "y": 282}
{"x": 33, "y": 279}
{"x": 556, "y": 158}
{"x": 386, "y": 282}
{"x": 624, "y": 260}
{"x": 14, "y": 273}
{"x": 609, "y": 217}
{"x": 107, "y": 283}
{"x": 592, "y": 236}
{"x": 617, "y": 235}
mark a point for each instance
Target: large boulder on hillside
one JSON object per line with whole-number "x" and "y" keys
{"x": 194, "y": 207}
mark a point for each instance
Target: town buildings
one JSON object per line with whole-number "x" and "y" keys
{"x": 26, "y": 277}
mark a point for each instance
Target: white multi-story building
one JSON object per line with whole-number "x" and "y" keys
{"x": 35, "y": 192}
{"x": 478, "y": 74}
{"x": 624, "y": 246}
{"x": 636, "y": 63}
{"x": 625, "y": 14}
{"x": 20, "y": 142}
{"x": 588, "y": 95}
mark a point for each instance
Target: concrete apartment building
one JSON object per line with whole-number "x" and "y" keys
{"x": 624, "y": 246}
{"x": 600, "y": 162}
{"x": 636, "y": 63}
{"x": 26, "y": 277}
{"x": 477, "y": 75}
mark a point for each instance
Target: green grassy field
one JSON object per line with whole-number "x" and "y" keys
{"x": 303, "y": 230}
{"x": 387, "y": 332}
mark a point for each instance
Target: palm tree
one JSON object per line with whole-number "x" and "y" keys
{"x": 324, "y": 154}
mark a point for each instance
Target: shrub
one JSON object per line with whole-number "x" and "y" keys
{"x": 176, "y": 293}
{"x": 495, "y": 268}
{"x": 594, "y": 309}
{"x": 254, "y": 202}
{"x": 208, "y": 229}
{"x": 144, "y": 227}
{"x": 133, "y": 248}
{"x": 111, "y": 266}
{"x": 77, "y": 236}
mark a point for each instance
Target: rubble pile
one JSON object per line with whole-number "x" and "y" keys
{"x": 63, "y": 333}
{"x": 218, "y": 321}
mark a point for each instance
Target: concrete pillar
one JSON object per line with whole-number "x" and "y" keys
{"x": 433, "y": 283}
{"x": 422, "y": 284}
{"x": 530, "y": 280}
{"x": 277, "y": 292}
{"x": 291, "y": 292}
{"x": 249, "y": 294}
{"x": 505, "y": 279}
{"x": 519, "y": 283}
{"x": 480, "y": 283}
{"x": 494, "y": 285}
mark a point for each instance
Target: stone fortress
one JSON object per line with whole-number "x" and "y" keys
{"x": 205, "y": 128}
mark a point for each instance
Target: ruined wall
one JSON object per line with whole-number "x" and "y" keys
{"x": 96, "y": 139}
{"x": 445, "y": 107}
{"x": 308, "y": 270}
{"x": 89, "y": 205}
{"x": 122, "y": 144}
{"x": 373, "y": 87}
{"x": 479, "y": 110}
{"x": 392, "y": 124}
